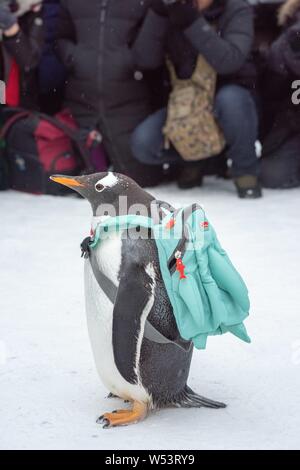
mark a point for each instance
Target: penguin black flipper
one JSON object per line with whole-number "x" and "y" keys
{"x": 133, "y": 303}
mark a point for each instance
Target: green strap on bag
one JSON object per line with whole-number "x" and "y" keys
{"x": 208, "y": 295}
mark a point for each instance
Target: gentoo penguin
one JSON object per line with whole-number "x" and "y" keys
{"x": 137, "y": 348}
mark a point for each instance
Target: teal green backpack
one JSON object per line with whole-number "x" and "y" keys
{"x": 207, "y": 294}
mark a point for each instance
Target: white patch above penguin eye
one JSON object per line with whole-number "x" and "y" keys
{"x": 109, "y": 180}
{"x": 99, "y": 187}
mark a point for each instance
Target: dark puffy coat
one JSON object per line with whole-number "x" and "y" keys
{"x": 226, "y": 46}
{"x": 280, "y": 165}
{"x": 284, "y": 54}
{"x": 282, "y": 66}
{"x": 51, "y": 71}
{"x": 26, "y": 48}
{"x": 104, "y": 87}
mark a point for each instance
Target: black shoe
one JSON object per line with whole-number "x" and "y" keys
{"x": 191, "y": 175}
{"x": 248, "y": 187}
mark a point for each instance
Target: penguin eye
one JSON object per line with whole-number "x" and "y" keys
{"x": 99, "y": 187}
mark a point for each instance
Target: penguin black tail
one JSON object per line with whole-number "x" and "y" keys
{"x": 189, "y": 399}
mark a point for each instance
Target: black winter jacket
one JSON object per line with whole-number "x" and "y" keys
{"x": 26, "y": 48}
{"x": 223, "y": 35}
{"x": 284, "y": 53}
{"x": 281, "y": 68}
{"x": 104, "y": 88}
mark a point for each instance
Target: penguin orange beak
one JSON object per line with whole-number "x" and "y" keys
{"x": 69, "y": 181}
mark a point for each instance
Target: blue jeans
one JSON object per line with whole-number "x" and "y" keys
{"x": 236, "y": 113}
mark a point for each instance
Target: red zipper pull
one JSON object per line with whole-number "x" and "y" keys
{"x": 170, "y": 224}
{"x": 180, "y": 267}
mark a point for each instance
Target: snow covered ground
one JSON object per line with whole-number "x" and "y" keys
{"x": 50, "y": 395}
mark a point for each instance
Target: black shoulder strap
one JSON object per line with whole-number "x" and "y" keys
{"x": 17, "y": 116}
{"x": 110, "y": 290}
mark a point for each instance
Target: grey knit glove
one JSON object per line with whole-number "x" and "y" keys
{"x": 7, "y": 18}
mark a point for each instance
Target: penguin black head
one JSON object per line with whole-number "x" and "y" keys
{"x": 108, "y": 193}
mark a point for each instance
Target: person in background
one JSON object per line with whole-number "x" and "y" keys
{"x": 21, "y": 38}
{"x": 21, "y": 29}
{"x": 105, "y": 90}
{"x": 280, "y": 163}
{"x": 223, "y": 32}
{"x": 51, "y": 72}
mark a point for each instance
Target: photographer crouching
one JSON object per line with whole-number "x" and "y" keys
{"x": 21, "y": 39}
{"x": 208, "y": 44}
{"x": 21, "y": 46}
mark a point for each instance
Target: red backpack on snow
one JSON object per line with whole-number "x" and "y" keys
{"x": 37, "y": 146}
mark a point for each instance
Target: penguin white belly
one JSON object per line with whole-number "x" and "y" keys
{"x": 99, "y": 310}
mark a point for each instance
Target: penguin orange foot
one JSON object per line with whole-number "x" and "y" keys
{"x": 124, "y": 417}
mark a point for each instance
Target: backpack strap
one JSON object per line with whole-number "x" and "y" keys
{"x": 204, "y": 76}
{"x": 111, "y": 290}
{"x": 161, "y": 208}
{"x": 73, "y": 136}
{"x": 19, "y": 114}
{"x": 173, "y": 76}
{"x": 181, "y": 246}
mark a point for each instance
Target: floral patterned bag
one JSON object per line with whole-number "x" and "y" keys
{"x": 191, "y": 126}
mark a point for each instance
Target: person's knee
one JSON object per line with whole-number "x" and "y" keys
{"x": 140, "y": 143}
{"x": 236, "y": 114}
{"x": 277, "y": 173}
{"x": 234, "y": 101}
{"x": 147, "y": 138}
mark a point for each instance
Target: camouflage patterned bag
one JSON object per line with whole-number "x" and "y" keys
{"x": 191, "y": 126}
